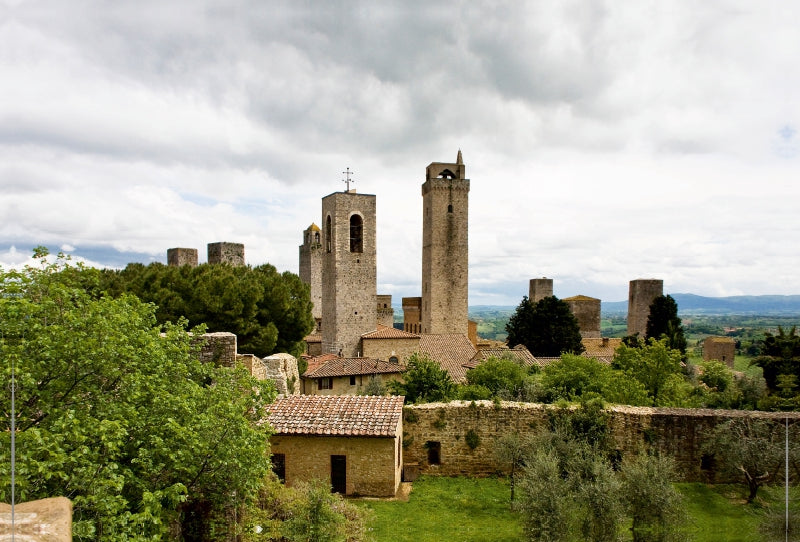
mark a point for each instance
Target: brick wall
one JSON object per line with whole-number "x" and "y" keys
{"x": 677, "y": 432}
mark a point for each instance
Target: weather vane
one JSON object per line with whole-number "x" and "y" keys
{"x": 347, "y": 180}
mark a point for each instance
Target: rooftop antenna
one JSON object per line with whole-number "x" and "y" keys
{"x": 347, "y": 180}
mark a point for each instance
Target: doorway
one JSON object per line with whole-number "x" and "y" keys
{"x": 339, "y": 474}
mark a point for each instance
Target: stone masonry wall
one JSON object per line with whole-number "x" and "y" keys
{"x": 230, "y": 253}
{"x": 456, "y": 425}
{"x": 641, "y": 293}
{"x": 721, "y": 349}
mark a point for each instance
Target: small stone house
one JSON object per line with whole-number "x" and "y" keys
{"x": 721, "y": 349}
{"x": 347, "y": 376}
{"x": 354, "y": 442}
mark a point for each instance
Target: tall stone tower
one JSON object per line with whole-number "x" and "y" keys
{"x": 182, "y": 256}
{"x": 349, "y": 271}
{"x": 311, "y": 267}
{"x": 538, "y": 289}
{"x": 586, "y": 310}
{"x": 445, "y": 206}
{"x": 641, "y": 293}
{"x": 230, "y": 253}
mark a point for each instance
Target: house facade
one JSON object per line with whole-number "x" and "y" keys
{"x": 354, "y": 442}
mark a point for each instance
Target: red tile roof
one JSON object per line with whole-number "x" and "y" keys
{"x": 336, "y": 415}
{"x": 351, "y": 366}
{"x": 318, "y": 361}
{"x": 384, "y": 332}
{"x": 451, "y": 351}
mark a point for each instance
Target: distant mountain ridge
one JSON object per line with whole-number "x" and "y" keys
{"x": 737, "y": 304}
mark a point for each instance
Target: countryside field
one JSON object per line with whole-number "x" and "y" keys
{"x": 477, "y": 510}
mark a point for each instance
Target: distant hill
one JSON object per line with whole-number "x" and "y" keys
{"x": 767, "y": 305}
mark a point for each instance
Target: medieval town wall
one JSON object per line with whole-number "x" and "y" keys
{"x": 467, "y": 432}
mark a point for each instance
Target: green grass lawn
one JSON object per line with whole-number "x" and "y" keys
{"x": 449, "y": 509}
{"x": 477, "y": 510}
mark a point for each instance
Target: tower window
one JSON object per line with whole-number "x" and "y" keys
{"x": 450, "y": 208}
{"x": 356, "y": 234}
{"x": 316, "y": 237}
{"x": 328, "y": 233}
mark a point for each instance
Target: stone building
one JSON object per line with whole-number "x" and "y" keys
{"x": 353, "y": 442}
{"x": 348, "y": 376}
{"x": 387, "y": 343}
{"x": 349, "y": 272}
{"x": 445, "y": 248}
{"x": 539, "y": 289}
{"x": 719, "y": 348}
{"x": 177, "y": 257}
{"x": 311, "y": 267}
{"x": 641, "y": 293}
{"x": 230, "y": 253}
{"x": 385, "y": 311}
{"x": 586, "y": 310}
{"x": 412, "y": 307}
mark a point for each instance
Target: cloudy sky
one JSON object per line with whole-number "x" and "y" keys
{"x": 605, "y": 141}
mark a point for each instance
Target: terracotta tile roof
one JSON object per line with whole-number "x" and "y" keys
{"x": 601, "y": 348}
{"x": 351, "y": 366}
{"x": 318, "y": 361}
{"x": 580, "y": 298}
{"x": 336, "y": 415}
{"x": 543, "y": 362}
{"x": 313, "y": 338}
{"x": 385, "y": 332}
{"x": 519, "y": 354}
{"x": 451, "y": 351}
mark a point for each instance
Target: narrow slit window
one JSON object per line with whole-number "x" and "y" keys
{"x": 356, "y": 234}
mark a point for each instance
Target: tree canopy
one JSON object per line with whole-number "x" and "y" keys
{"x": 546, "y": 328}
{"x": 268, "y": 311}
{"x": 663, "y": 322}
{"x": 424, "y": 381}
{"x": 117, "y": 413}
{"x": 654, "y": 364}
{"x": 780, "y": 356}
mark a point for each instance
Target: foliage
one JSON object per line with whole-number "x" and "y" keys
{"x": 424, "y": 381}
{"x": 268, "y": 311}
{"x": 656, "y": 507}
{"x": 545, "y": 501}
{"x": 374, "y": 386}
{"x": 574, "y": 376}
{"x": 305, "y": 512}
{"x": 663, "y": 322}
{"x": 750, "y": 449}
{"x": 472, "y": 439}
{"x": 121, "y": 419}
{"x": 653, "y": 364}
{"x": 546, "y": 328}
{"x": 512, "y": 449}
{"x": 502, "y": 377}
{"x": 780, "y": 355}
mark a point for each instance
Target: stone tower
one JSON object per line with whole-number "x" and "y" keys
{"x": 586, "y": 311}
{"x": 641, "y": 293}
{"x": 311, "y": 267}
{"x": 445, "y": 205}
{"x": 385, "y": 310}
{"x": 230, "y": 253}
{"x": 349, "y": 271}
{"x": 539, "y": 289}
{"x": 411, "y": 311}
{"x": 182, "y": 256}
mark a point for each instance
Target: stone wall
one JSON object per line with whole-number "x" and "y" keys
{"x": 586, "y": 311}
{"x": 182, "y": 256}
{"x": 281, "y": 369}
{"x": 219, "y": 348}
{"x": 374, "y": 464}
{"x": 230, "y": 253}
{"x": 467, "y": 432}
{"x": 538, "y": 289}
{"x": 384, "y": 349}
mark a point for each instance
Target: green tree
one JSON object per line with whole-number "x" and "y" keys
{"x": 120, "y": 418}
{"x": 654, "y": 364}
{"x": 780, "y": 355}
{"x": 502, "y": 377}
{"x": 573, "y": 376}
{"x": 424, "y": 381}
{"x": 750, "y": 449}
{"x": 663, "y": 322}
{"x": 268, "y": 311}
{"x": 655, "y": 506}
{"x": 546, "y": 328}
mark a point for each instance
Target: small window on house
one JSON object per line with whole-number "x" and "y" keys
{"x": 279, "y": 466}
{"x": 356, "y": 234}
{"x": 434, "y": 452}
{"x": 328, "y": 233}
{"x": 352, "y": 380}
{"x": 325, "y": 384}
{"x": 394, "y": 359}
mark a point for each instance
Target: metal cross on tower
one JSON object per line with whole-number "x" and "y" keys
{"x": 347, "y": 180}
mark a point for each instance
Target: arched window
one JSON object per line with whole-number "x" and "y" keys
{"x": 328, "y": 233}
{"x": 316, "y": 237}
{"x": 356, "y": 234}
{"x": 393, "y": 359}
{"x": 450, "y": 208}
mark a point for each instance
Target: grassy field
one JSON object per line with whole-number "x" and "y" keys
{"x": 477, "y": 510}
